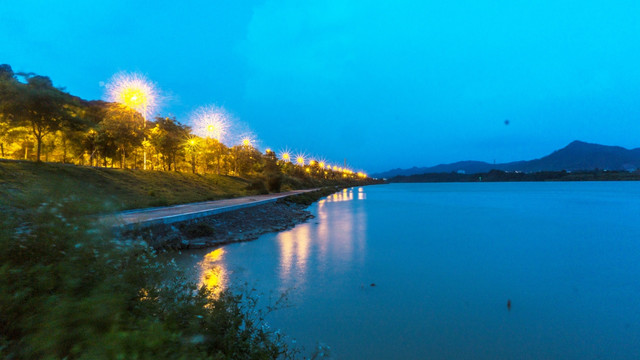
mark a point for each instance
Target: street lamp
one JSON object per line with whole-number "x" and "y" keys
{"x": 135, "y": 92}
{"x": 210, "y": 121}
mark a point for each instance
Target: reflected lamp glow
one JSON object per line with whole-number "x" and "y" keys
{"x": 212, "y": 272}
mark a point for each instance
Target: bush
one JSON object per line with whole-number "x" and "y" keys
{"x": 258, "y": 187}
{"x": 274, "y": 183}
{"x": 68, "y": 289}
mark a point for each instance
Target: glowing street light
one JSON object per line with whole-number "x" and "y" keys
{"x": 300, "y": 160}
{"x": 135, "y": 92}
{"x": 286, "y": 156}
{"x": 210, "y": 122}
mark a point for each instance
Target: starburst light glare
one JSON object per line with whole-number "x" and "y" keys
{"x": 321, "y": 164}
{"x": 300, "y": 160}
{"x": 246, "y": 142}
{"x": 210, "y": 122}
{"x": 134, "y": 91}
{"x": 312, "y": 162}
{"x": 285, "y": 156}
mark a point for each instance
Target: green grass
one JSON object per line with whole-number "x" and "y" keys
{"x": 117, "y": 189}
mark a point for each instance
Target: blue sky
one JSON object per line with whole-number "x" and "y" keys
{"x": 383, "y": 84}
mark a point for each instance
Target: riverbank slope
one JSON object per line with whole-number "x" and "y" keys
{"x": 23, "y": 185}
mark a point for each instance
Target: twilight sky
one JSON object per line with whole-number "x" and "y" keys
{"x": 383, "y": 84}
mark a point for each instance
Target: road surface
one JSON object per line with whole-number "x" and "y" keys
{"x": 184, "y": 212}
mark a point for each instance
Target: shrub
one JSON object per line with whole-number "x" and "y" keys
{"x": 68, "y": 289}
{"x": 258, "y": 187}
{"x": 274, "y": 182}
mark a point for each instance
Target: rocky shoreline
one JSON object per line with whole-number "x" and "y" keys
{"x": 234, "y": 226}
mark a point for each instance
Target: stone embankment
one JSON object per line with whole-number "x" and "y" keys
{"x": 244, "y": 224}
{"x": 234, "y": 226}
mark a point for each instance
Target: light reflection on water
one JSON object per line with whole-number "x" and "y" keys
{"x": 295, "y": 245}
{"x": 212, "y": 271}
{"x": 445, "y": 258}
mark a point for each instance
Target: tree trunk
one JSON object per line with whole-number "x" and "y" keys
{"x": 173, "y": 156}
{"x": 37, "y": 132}
{"x": 122, "y": 158}
{"x": 64, "y": 150}
{"x": 39, "y": 141}
{"x": 135, "y": 159}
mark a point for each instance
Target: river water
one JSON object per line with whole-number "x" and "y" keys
{"x": 445, "y": 259}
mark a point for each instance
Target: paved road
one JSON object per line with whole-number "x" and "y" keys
{"x": 178, "y": 213}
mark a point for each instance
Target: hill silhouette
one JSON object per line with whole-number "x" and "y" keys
{"x": 577, "y": 156}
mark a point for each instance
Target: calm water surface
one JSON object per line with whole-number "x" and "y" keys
{"x": 445, "y": 259}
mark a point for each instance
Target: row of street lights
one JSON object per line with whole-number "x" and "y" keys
{"x": 136, "y": 93}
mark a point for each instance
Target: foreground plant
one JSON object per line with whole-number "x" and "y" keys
{"x": 69, "y": 290}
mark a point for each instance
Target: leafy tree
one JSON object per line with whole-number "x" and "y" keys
{"x": 37, "y": 103}
{"x": 124, "y": 127}
{"x": 272, "y": 172}
{"x": 192, "y": 147}
{"x": 214, "y": 151}
{"x": 168, "y": 138}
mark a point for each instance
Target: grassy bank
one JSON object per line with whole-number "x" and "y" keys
{"x": 118, "y": 189}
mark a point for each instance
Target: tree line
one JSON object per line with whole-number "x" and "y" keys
{"x": 40, "y": 122}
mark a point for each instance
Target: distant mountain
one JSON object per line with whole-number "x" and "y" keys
{"x": 576, "y": 156}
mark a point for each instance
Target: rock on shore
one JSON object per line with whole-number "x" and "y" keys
{"x": 235, "y": 226}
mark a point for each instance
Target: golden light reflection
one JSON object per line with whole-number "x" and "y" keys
{"x": 344, "y": 195}
{"x": 212, "y": 271}
{"x": 323, "y": 233}
{"x": 294, "y": 254}
{"x": 334, "y": 243}
{"x": 361, "y": 194}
